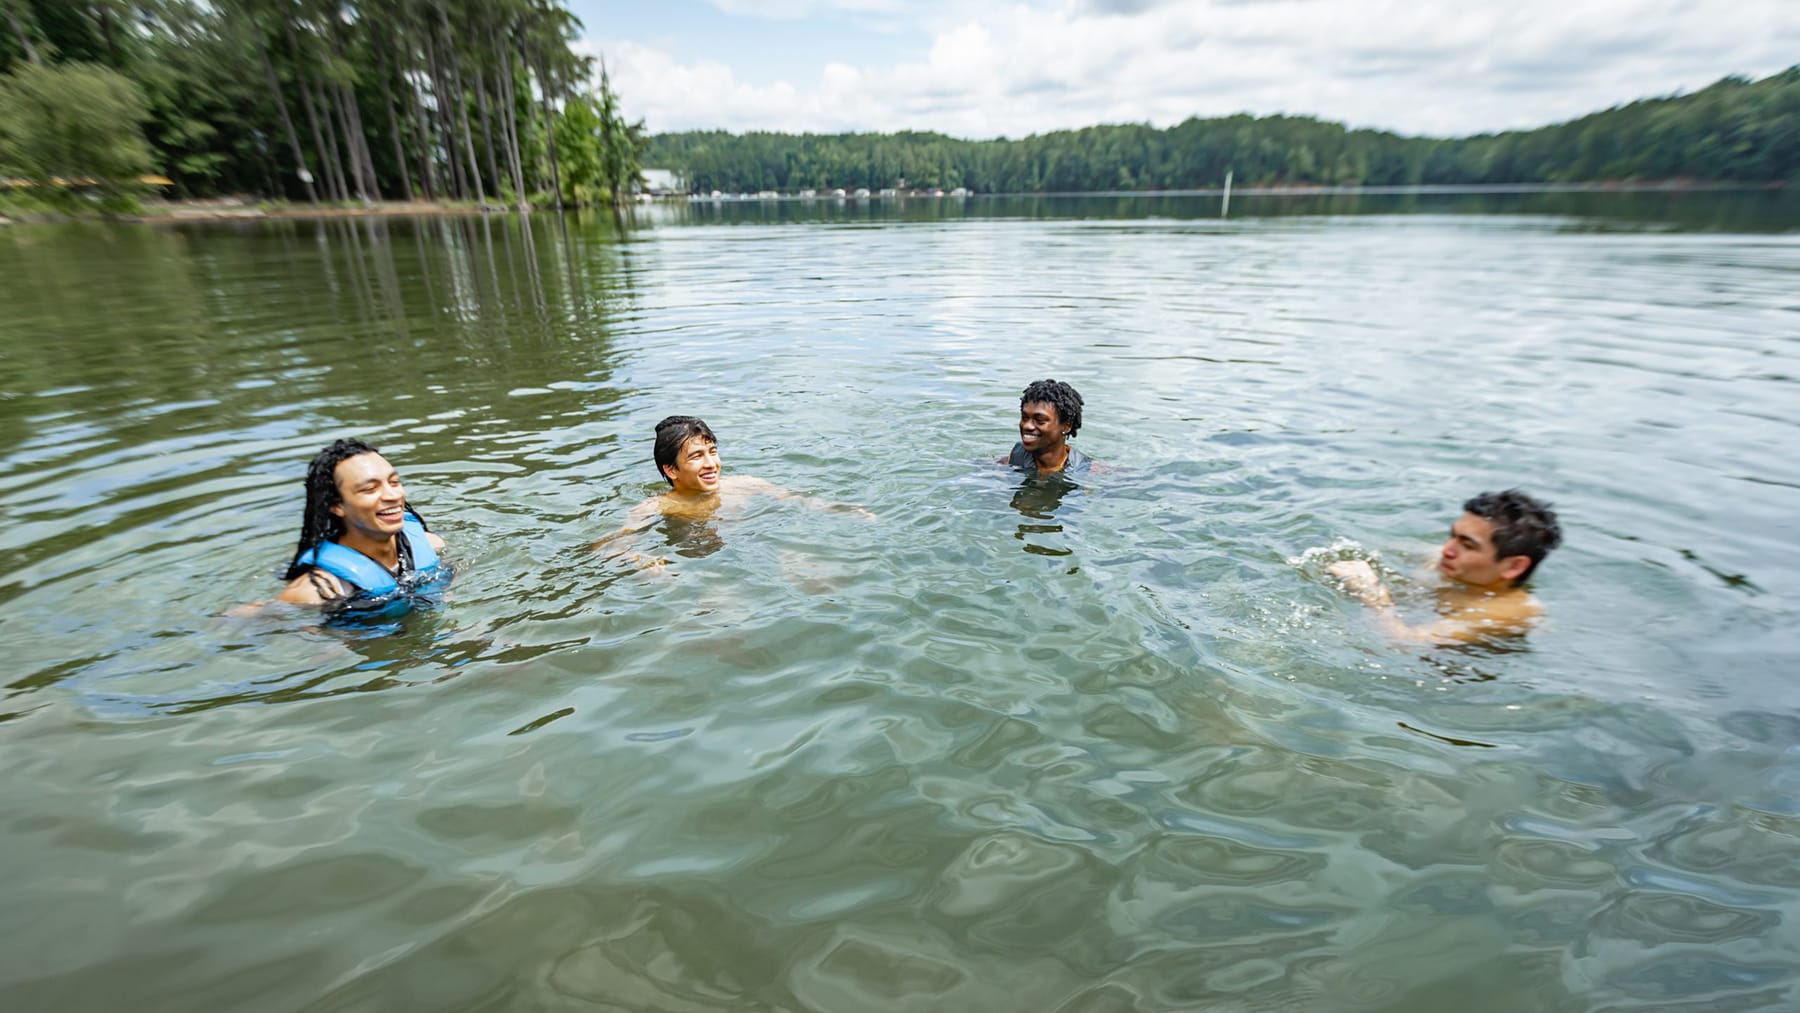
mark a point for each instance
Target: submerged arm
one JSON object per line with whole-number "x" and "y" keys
{"x": 641, "y": 517}
{"x": 752, "y": 484}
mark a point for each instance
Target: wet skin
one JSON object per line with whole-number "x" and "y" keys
{"x": 699, "y": 489}
{"x": 1478, "y": 600}
{"x": 373, "y": 508}
{"x": 1044, "y": 435}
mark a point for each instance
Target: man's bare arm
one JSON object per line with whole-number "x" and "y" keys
{"x": 1498, "y": 619}
{"x": 314, "y": 587}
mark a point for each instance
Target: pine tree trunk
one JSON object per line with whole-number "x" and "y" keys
{"x": 333, "y": 185}
{"x": 287, "y": 122}
{"x": 356, "y": 139}
{"x": 333, "y": 100}
{"x": 420, "y": 122}
{"x": 487, "y": 130}
{"x": 549, "y": 135}
{"x": 359, "y": 141}
{"x": 440, "y": 89}
{"x": 387, "y": 96}
{"x": 462, "y": 107}
{"x": 510, "y": 97}
{"x": 12, "y": 18}
{"x": 421, "y": 127}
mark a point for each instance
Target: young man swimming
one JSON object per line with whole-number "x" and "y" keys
{"x": 359, "y": 539}
{"x": 1492, "y": 550}
{"x": 687, "y": 455}
{"x": 1049, "y": 416}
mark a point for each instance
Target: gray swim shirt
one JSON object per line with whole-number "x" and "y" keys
{"x": 1021, "y": 459}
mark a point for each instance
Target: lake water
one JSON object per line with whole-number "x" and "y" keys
{"x": 1000, "y": 748}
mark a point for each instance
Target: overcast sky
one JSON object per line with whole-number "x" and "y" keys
{"x": 983, "y": 68}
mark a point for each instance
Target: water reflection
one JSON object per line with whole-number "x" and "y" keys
{"x": 691, "y": 537}
{"x": 1039, "y": 497}
{"x": 879, "y": 763}
{"x": 1729, "y": 210}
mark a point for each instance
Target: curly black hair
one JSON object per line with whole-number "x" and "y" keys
{"x": 319, "y": 525}
{"x": 1522, "y": 526}
{"x": 1060, "y": 396}
{"x": 671, "y": 433}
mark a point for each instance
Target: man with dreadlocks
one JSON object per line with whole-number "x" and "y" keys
{"x": 1491, "y": 552}
{"x": 359, "y": 540}
{"x": 1049, "y": 416}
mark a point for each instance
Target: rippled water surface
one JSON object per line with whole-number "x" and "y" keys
{"x": 1002, "y": 747}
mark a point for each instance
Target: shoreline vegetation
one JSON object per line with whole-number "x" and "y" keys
{"x": 326, "y": 102}
{"x": 350, "y": 107}
{"x": 180, "y": 212}
{"x": 1732, "y": 131}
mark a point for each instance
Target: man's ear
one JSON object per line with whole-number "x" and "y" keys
{"x": 669, "y": 472}
{"x": 1514, "y": 567}
{"x": 338, "y": 509}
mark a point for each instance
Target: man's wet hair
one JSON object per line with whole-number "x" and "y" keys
{"x": 1522, "y": 526}
{"x": 671, "y": 433}
{"x": 1061, "y": 396}
{"x": 319, "y": 525}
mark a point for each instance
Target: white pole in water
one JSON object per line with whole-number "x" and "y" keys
{"x": 1225, "y": 201}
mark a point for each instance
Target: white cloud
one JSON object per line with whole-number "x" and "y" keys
{"x": 1015, "y": 69}
{"x": 792, "y": 9}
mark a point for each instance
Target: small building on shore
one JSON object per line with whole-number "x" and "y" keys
{"x": 663, "y": 182}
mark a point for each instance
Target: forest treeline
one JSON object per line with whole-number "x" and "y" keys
{"x": 320, "y": 100}
{"x": 488, "y": 101}
{"x": 1735, "y": 130}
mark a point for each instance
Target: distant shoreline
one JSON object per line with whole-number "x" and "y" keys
{"x": 175, "y": 212}
{"x": 178, "y": 212}
{"x": 1293, "y": 190}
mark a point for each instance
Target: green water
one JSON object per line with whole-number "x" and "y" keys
{"x": 999, "y": 748}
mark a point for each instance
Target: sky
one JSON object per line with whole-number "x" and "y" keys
{"x": 983, "y": 68}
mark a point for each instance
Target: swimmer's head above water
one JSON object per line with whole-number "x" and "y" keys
{"x": 687, "y": 454}
{"x": 1492, "y": 549}
{"x": 1049, "y": 412}
{"x": 326, "y": 510}
{"x": 1049, "y": 416}
{"x": 1499, "y": 540}
{"x": 358, "y": 536}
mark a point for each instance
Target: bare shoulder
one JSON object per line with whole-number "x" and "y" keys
{"x": 436, "y": 542}
{"x": 750, "y": 485}
{"x": 1519, "y": 608}
{"x": 315, "y": 587}
{"x": 1505, "y": 616}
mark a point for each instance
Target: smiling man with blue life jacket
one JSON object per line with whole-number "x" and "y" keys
{"x": 359, "y": 541}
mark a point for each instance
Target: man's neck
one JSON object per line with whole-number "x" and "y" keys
{"x": 1052, "y": 459}
{"x": 1489, "y": 592}
{"x": 385, "y": 551}
{"x": 690, "y": 504}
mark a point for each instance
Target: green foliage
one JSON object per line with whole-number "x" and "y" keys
{"x": 1734, "y": 130}
{"x": 579, "y": 154}
{"x": 369, "y": 96}
{"x": 73, "y": 121}
{"x": 598, "y": 153}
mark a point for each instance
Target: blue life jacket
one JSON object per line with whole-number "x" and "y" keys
{"x": 367, "y": 577}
